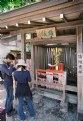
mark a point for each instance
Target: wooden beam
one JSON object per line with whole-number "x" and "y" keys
{"x": 28, "y": 9}
{"x": 48, "y": 20}
{"x": 79, "y": 70}
{"x": 67, "y": 25}
{"x": 71, "y": 88}
{"x": 81, "y": 16}
{"x": 52, "y": 94}
{"x": 62, "y": 16}
{"x": 36, "y": 23}
{"x": 48, "y": 12}
{"x": 58, "y": 39}
{"x": 12, "y": 28}
{"x": 32, "y": 63}
{"x": 9, "y": 37}
{"x": 4, "y": 31}
{"x": 23, "y": 46}
{"x": 8, "y": 29}
{"x": 26, "y": 25}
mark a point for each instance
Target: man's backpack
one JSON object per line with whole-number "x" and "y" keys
{"x": 1, "y": 75}
{"x": 0, "y": 72}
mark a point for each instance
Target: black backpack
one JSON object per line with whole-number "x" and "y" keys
{"x": 1, "y": 75}
{"x": 0, "y": 72}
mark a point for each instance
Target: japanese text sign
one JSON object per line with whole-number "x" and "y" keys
{"x": 80, "y": 64}
{"x": 46, "y": 33}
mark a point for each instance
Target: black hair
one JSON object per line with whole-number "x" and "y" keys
{"x": 22, "y": 67}
{"x": 10, "y": 56}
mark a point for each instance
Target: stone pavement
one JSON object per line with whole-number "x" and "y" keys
{"x": 46, "y": 109}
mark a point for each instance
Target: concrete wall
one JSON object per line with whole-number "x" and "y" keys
{"x": 6, "y": 47}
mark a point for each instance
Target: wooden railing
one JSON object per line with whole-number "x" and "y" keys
{"x": 52, "y": 80}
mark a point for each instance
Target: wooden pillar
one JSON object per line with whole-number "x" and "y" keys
{"x": 32, "y": 62}
{"x": 23, "y": 46}
{"x": 80, "y": 71}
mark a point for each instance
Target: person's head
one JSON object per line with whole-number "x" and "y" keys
{"x": 21, "y": 64}
{"x": 9, "y": 58}
{"x": 22, "y": 67}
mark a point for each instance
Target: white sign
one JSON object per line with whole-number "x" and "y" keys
{"x": 80, "y": 64}
{"x": 49, "y": 76}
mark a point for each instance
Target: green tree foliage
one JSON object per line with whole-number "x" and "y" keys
{"x": 4, "y": 3}
{"x": 0, "y": 8}
{"x": 8, "y": 4}
{"x": 16, "y": 3}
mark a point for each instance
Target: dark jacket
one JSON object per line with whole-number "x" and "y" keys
{"x": 7, "y": 74}
{"x": 22, "y": 79}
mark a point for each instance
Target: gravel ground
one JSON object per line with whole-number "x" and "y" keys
{"x": 46, "y": 109}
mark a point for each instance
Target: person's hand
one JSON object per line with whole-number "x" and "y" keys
{"x": 30, "y": 84}
{"x": 13, "y": 62}
{"x": 15, "y": 66}
{"x": 4, "y": 60}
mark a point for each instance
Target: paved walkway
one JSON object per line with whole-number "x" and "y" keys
{"x": 46, "y": 109}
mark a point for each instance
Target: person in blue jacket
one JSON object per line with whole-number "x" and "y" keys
{"x": 6, "y": 69}
{"x": 22, "y": 77}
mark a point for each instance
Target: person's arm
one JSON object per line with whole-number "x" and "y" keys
{"x": 14, "y": 76}
{"x": 29, "y": 80}
{"x": 15, "y": 84}
{"x": 6, "y": 70}
{"x": 29, "y": 76}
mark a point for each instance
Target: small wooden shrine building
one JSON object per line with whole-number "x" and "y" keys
{"x": 56, "y": 22}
